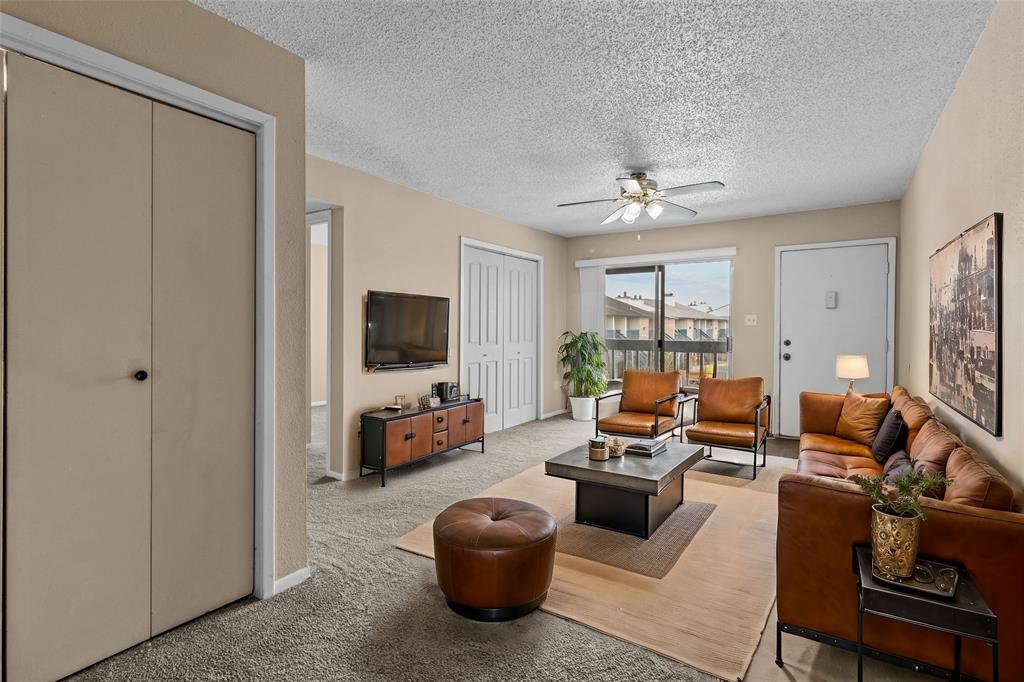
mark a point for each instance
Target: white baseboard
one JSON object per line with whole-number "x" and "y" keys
{"x": 290, "y": 581}
{"x": 549, "y": 415}
{"x": 318, "y": 403}
{"x": 330, "y": 473}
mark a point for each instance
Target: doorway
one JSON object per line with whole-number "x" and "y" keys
{"x": 831, "y": 299}
{"x": 501, "y": 315}
{"x": 319, "y": 336}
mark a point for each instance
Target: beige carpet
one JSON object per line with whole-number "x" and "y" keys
{"x": 708, "y": 611}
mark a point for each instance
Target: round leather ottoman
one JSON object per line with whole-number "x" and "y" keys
{"x": 494, "y": 557}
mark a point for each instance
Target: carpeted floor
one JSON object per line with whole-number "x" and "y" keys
{"x": 372, "y": 612}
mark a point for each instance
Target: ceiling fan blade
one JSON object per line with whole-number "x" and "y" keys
{"x": 689, "y": 211}
{"x": 580, "y": 203}
{"x": 630, "y": 185}
{"x": 691, "y": 189}
{"x": 616, "y": 215}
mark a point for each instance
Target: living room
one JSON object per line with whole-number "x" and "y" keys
{"x": 783, "y": 242}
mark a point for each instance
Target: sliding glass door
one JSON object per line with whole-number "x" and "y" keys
{"x": 669, "y": 317}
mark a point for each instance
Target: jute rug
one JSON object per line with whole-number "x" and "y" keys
{"x": 653, "y": 557}
{"x": 709, "y": 609}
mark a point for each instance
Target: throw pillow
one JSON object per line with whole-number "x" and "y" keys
{"x": 861, "y": 417}
{"x": 897, "y": 465}
{"x": 890, "y": 434}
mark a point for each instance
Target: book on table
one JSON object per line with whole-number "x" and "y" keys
{"x": 646, "y": 448}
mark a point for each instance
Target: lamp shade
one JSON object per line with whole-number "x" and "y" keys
{"x": 852, "y": 367}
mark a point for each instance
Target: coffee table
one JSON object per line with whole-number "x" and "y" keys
{"x": 628, "y": 494}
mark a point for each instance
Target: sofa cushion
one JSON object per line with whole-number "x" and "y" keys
{"x": 861, "y": 417}
{"x": 931, "y": 449}
{"x": 636, "y": 423}
{"x": 899, "y": 397}
{"x": 897, "y": 465}
{"x": 889, "y": 437}
{"x": 731, "y": 400}
{"x": 832, "y": 465}
{"x": 915, "y": 414}
{"x": 834, "y": 444}
{"x": 975, "y": 482}
{"x": 722, "y": 433}
{"x": 641, "y": 389}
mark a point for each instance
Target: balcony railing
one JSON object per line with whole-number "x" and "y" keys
{"x": 694, "y": 358}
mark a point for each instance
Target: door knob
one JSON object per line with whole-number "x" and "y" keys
{"x": 141, "y": 375}
{"x": 786, "y": 356}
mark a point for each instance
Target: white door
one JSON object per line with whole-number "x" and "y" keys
{"x": 520, "y": 347}
{"x": 482, "y": 333}
{"x": 832, "y": 301}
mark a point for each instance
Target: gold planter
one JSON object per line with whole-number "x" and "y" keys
{"x": 894, "y": 541}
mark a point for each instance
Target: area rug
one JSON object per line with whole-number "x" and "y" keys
{"x": 711, "y": 607}
{"x": 653, "y": 557}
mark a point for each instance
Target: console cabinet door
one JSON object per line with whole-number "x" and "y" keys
{"x": 456, "y": 429}
{"x": 423, "y": 431}
{"x": 474, "y": 428}
{"x": 397, "y": 446}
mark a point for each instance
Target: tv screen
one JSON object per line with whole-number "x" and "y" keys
{"x": 405, "y": 330}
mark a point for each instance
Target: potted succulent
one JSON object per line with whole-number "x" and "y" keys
{"x": 582, "y": 356}
{"x": 896, "y": 517}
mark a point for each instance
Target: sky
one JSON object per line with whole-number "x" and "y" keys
{"x": 703, "y": 283}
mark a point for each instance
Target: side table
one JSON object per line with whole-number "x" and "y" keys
{"x": 967, "y": 615}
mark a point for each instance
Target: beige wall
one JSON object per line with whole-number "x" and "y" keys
{"x": 972, "y": 166}
{"x": 413, "y": 245}
{"x": 195, "y": 46}
{"x": 755, "y": 240}
{"x": 317, "y": 323}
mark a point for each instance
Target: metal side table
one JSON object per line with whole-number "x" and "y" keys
{"x": 965, "y": 616}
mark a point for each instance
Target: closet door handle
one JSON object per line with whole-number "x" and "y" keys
{"x": 141, "y": 375}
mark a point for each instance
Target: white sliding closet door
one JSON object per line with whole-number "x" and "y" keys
{"x": 519, "y": 296}
{"x": 482, "y": 333}
{"x": 78, "y": 329}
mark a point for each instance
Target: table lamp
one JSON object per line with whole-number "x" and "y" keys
{"x": 852, "y": 367}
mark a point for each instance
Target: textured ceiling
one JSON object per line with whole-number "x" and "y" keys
{"x": 513, "y": 106}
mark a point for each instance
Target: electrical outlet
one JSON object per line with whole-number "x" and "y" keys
{"x": 751, "y": 320}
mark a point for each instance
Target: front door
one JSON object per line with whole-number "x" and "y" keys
{"x": 833, "y": 300}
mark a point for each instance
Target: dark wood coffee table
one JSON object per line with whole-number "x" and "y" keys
{"x": 628, "y": 494}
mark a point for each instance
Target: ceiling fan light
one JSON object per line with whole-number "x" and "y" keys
{"x": 632, "y": 212}
{"x": 654, "y": 210}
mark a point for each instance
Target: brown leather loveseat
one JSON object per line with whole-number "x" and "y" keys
{"x": 821, "y": 516}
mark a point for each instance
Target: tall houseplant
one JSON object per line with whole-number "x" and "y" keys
{"x": 582, "y": 356}
{"x": 896, "y": 517}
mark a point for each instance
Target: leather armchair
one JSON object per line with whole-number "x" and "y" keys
{"x": 732, "y": 414}
{"x": 651, "y": 405}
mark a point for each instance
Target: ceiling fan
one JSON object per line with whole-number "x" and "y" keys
{"x": 640, "y": 193}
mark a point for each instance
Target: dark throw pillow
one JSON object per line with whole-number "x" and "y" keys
{"x": 890, "y": 436}
{"x": 898, "y": 464}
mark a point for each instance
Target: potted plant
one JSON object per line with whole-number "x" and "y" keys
{"x": 582, "y": 356}
{"x": 896, "y": 517}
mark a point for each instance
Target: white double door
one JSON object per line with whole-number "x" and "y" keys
{"x": 833, "y": 300}
{"x": 499, "y": 336}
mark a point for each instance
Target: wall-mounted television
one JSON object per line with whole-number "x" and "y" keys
{"x": 405, "y": 331}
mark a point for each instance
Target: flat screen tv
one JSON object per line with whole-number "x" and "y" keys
{"x": 405, "y": 330}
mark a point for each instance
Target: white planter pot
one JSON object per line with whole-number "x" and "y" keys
{"x": 582, "y": 409}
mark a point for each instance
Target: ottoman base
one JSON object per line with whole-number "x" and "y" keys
{"x": 495, "y": 615}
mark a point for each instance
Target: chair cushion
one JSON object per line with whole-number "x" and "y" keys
{"x": 641, "y": 389}
{"x": 837, "y": 466}
{"x": 731, "y": 400}
{"x": 835, "y": 445}
{"x": 932, "y": 447}
{"x": 889, "y": 437}
{"x": 975, "y": 482}
{"x": 722, "y": 433}
{"x": 861, "y": 417}
{"x": 635, "y": 423}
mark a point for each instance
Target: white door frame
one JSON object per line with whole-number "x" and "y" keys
{"x": 526, "y": 255}
{"x": 890, "y": 323}
{"x": 53, "y": 48}
{"x": 318, "y": 218}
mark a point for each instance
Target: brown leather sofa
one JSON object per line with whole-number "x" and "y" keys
{"x": 821, "y": 517}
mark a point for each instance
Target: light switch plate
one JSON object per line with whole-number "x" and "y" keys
{"x": 751, "y": 320}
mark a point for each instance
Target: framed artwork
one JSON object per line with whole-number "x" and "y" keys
{"x": 965, "y": 315}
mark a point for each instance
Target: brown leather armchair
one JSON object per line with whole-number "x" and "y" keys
{"x": 727, "y": 412}
{"x": 651, "y": 406}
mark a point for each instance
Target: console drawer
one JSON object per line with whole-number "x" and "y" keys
{"x": 440, "y": 441}
{"x": 440, "y": 420}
